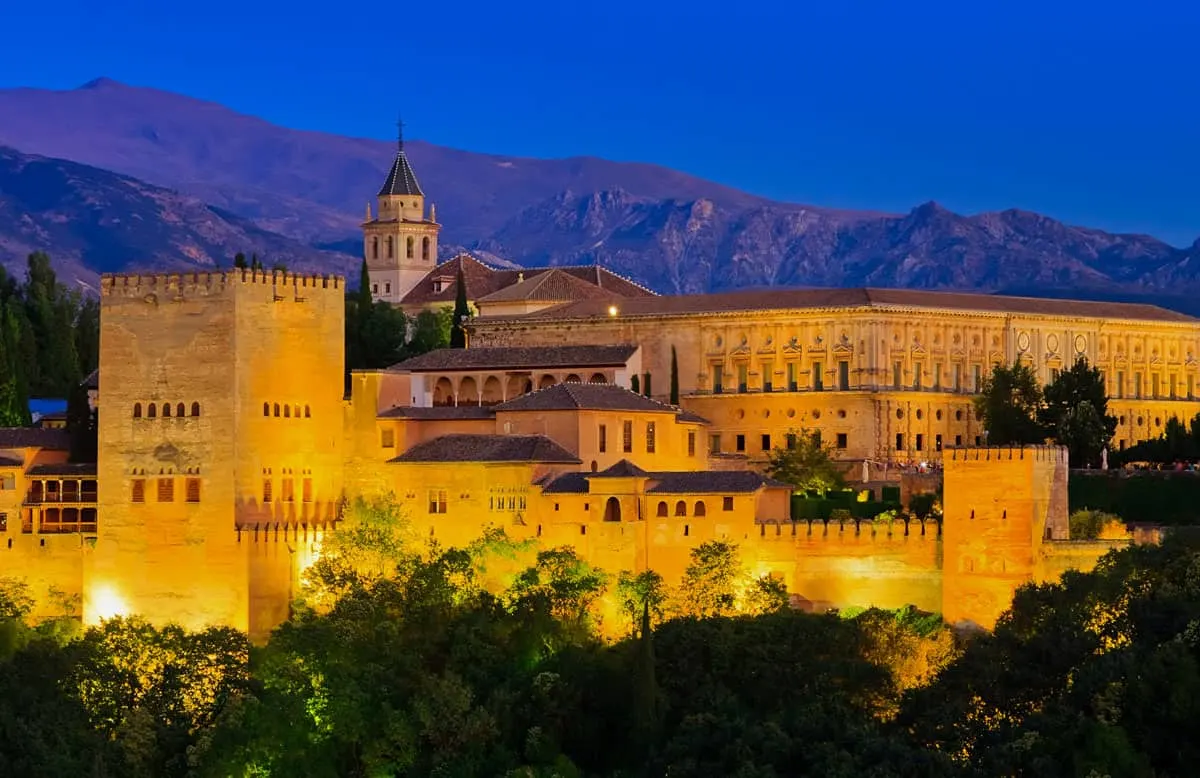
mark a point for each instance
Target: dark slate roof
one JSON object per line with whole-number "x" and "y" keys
{"x": 488, "y": 448}
{"x": 78, "y": 469}
{"x": 34, "y": 437}
{"x": 92, "y": 381}
{"x": 691, "y": 418}
{"x": 517, "y": 358}
{"x": 592, "y": 397}
{"x": 622, "y": 469}
{"x": 698, "y": 482}
{"x": 784, "y": 298}
{"x": 439, "y": 412}
{"x": 11, "y": 462}
{"x": 401, "y": 179}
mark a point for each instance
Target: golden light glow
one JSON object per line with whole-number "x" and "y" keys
{"x": 612, "y": 310}
{"x": 107, "y": 603}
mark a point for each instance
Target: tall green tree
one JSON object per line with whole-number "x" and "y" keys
{"x": 805, "y": 462}
{"x": 462, "y": 312}
{"x": 82, "y": 426}
{"x": 239, "y": 261}
{"x": 674, "y": 377}
{"x": 1008, "y": 404}
{"x": 709, "y": 586}
{"x": 1075, "y": 413}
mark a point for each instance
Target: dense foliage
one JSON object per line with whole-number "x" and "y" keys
{"x": 379, "y": 334}
{"x": 497, "y": 660}
{"x": 805, "y": 462}
{"x": 49, "y": 338}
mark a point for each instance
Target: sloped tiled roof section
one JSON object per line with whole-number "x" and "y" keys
{"x": 622, "y": 469}
{"x": 489, "y": 448}
{"x": 551, "y": 286}
{"x": 401, "y": 180}
{"x": 778, "y": 299}
{"x": 698, "y": 482}
{"x": 439, "y": 412}
{"x": 517, "y": 358}
{"x": 605, "y": 279}
{"x": 34, "y": 437}
{"x": 481, "y": 281}
{"x": 591, "y": 397}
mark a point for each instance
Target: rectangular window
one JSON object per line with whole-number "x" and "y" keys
{"x": 1120, "y": 384}
{"x": 766, "y": 442}
{"x": 842, "y": 440}
{"x": 8, "y": 481}
{"x": 718, "y": 379}
{"x": 920, "y": 442}
{"x": 166, "y": 490}
{"x": 958, "y": 440}
{"x": 627, "y": 437}
{"x": 818, "y": 377}
{"x": 726, "y": 503}
{"x": 1191, "y": 386}
{"x": 937, "y": 376}
{"x": 1154, "y": 386}
{"x": 387, "y": 288}
{"x": 843, "y": 376}
{"x": 743, "y": 373}
{"x": 937, "y": 442}
{"x": 714, "y": 443}
{"x": 897, "y": 374}
{"x": 740, "y": 443}
{"x": 268, "y": 491}
{"x": 387, "y": 438}
{"x": 306, "y": 489}
{"x": 603, "y": 438}
{"x": 649, "y": 437}
{"x": 899, "y": 441}
{"x": 192, "y": 488}
{"x": 1137, "y": 385}
{"x": 793, "y": 383}
{"x": 977, "y": 378}
{"x": 978, "y": 440}
{"x": 791, "y": 441}
{"x": 1121, "y": 445}
{"x": 917, "y": 375}
{"x": 1174, "y": 386}
{"x": 767, "y": 374}
{"x": 957, "y": 377}
{"x": 139, "y": 490}
{"x": 691, "y": 444}
{"x": 437, "y": 500}
{"x": 3, "y": 522}
{"x": 287, "y": 490}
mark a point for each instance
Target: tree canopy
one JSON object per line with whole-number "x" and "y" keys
{"x": 1008, "y": 404}
{"x": 805, "y": 462}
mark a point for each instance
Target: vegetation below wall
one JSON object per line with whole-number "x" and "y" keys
{"x": 489, "y": 661}
{"x": 1149, "y": 497}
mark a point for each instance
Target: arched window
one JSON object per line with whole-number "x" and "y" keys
{"x": 287, "y": 411}
{"x": 195, "y": 409}
{"x": 391, "y": 247}
{"x": 597, "y": 378}
{"x": 425, "y": 247}
{"x": 699, "y": 509}
{"x": 681, "y": 508}
{"x": 151, "y": 410}
{"x": 409, "y": 247}
{"x": 374, "y": 248}
{"x": 662, "y": 508}
{"x": 276, "y": 407}
{"x": 179, "y": 410}
{"x": 166, "y": 410}
{"x": 266, "y": 409}
{"x": 296, "y": 411}
{"x": 307, "y": 412}
{"x": 137, "y": 410}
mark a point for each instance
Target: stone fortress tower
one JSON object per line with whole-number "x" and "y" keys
{"x": 219, "y": 442}
{"x": 400, "y": 243}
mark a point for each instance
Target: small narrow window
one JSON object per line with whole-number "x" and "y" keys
{"x": 195, "y": 409}
{"x": 137, "y": 410}
{"x": 287, "y": 490}
{"x": 699, "y": 510}
{"x": 307, "y": 412}
{"x": 387, "y": 287}
{"x": 649, "y": 437}
{"x": 627, "y": 437}
{"x": 266, "y": 409}
{"x": 306, "y": 490}
{"x": 268, "y": 492}
{"x": 425, "y": 247}
{"x": 138, "y": 490}
{"x": 375, "y": 248}
{"x": 166, "y": 410}
{"x": 714, "y": 443}
{"x": 179, "y": 410}
{"x": 409, "y": 247}
{"x": 603, "y": 438}
{"x": 691, "y": 443}
{"x": 390, "y": 247}
{"x": 899, "y": 441}
{"x": 740, "y": 443}
{"x": 152, "y": 411}
{"x": 681, "y": 508}
{"x": 287, "y": 411}
{"x": 843, "y": 375}
{"x": 166, "y": 490}
{"x": 726, "y": 503}
{"x": 842, "y": 441}
{"x": 193, "y": 489}
{"x": 662, "y": 509}
{"x": 276, "y": 409}
{"x": 766, "y": 442}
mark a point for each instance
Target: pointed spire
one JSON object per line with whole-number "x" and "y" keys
{"x": 401, "y": 179}
{"x": 399, "y": 133}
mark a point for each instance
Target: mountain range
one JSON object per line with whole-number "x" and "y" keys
{"x": 111, "y": 177}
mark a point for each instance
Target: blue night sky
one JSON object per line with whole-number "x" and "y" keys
{"x": 1087, "y": 112}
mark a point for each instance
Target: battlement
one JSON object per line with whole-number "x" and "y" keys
{"x": 1000, "y": 453}
{"x": 213, "y": 282}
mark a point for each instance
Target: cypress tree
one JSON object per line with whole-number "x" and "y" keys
{"x": 239, "y": 260}
{"x": 646, "y": 385}
{"x": 674, "y": 378}
{"x": 646, "y": 714}
{"x": 364, "y": 286}
{"x": 635, "y": 384}
{"x": 462, "y": 312}
{"x": 81, "y": 426}
{"x": 14, "y": 393}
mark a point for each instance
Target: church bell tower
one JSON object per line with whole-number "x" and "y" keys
{"x": 400, "y": 241}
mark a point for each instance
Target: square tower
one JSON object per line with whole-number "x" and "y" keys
{"x": 222, "y": 417}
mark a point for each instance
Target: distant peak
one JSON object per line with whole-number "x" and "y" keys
{"x": 101, "y": 83}
{"x": 930, "y": 207}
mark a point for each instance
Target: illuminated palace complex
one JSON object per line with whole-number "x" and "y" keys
{"x": 227, "y": 446}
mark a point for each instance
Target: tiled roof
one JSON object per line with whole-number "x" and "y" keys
{"x": 553, "y": 285}
{"x": 11, "y": 462}
{"x": 688, "y": 417}
{"x": 483, "y": 280}
{"x": 488, "y": 448}
{"x": 92, "y": 381}
{"x": 676, "y": 482}
{"x": 622, "y": 469}
{"x": 518, "y": 358}
{"x": 439, "y": 412}
{"x": 78, "y": 469}
{"x": 34, "y": 437}
{"x": 596, "y": 397}
{"x": 781, "y": 299}
{"x": 401, "y": 179}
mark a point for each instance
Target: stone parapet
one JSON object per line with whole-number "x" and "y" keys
{"x": 211, "y": 282}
